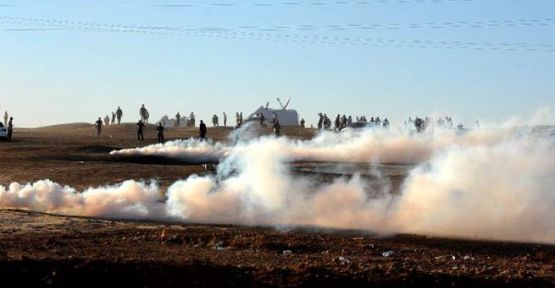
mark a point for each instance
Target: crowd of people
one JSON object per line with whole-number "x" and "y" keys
{"x": 416, "y": 123}
{"x": 422, "y": 124}
{"x": 324, "y": 122}
{"x": 340, "y": 122}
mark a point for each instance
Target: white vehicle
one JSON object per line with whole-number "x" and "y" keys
{"x": 286, "y": 117}
{"x": 357, "y": 126}
{"x": 3, "y": 131}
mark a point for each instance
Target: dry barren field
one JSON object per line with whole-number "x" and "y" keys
{"x": 38, "y": 249}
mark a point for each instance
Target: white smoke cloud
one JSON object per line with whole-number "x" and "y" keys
{"x": 192, "y": 150}
{"x": 385, "y": 146}
{"x": 491, "y": 183}
{"x": 127, "y": 200}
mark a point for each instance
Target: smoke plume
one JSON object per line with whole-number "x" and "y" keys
{"x": 490, "y": 183}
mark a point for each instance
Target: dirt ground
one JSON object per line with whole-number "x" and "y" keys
{"x": 40, "y": 250}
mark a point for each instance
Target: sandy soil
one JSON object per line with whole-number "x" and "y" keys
{"x": 59, "y": 251}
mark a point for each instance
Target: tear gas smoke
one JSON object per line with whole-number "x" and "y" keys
{"x": 369, "y": 145}
{"x": 128, "y": 200}
{"x": 488, "y": 183}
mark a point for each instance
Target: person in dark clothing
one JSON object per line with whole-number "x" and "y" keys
{"x": 141, "y": 127}
{"x": 160, "y": 133}
{"x": 202, "y": 130}
{"x": 320, "y": 121}
{"x": 177, "y": 119}
{"x": 98, "y": 124}
{"x": 277, "y": 128}
{"x": 419, "y": 124}
{"x": 10, "y": 129}
{"x": 119, "y": 114}
{"x": 262, "y": 119}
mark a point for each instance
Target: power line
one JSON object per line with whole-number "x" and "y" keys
{"x": 399, "y": 26}
{"x": 310, "y": 3}
{"x": 308, "y": 27}
{"x": 281, "y": 37}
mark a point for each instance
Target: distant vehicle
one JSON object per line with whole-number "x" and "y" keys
{"x": 3, "y": 131}
{"x": 357, "y": 126}
{"x": 286, "y": 117}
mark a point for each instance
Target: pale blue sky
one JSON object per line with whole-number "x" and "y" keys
{"x": 76, "y": 75}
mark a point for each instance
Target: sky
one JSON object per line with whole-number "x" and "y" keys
{"x": 72, "y": 61}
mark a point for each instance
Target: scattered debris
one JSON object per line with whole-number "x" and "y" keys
{"x": 388, "y": 253}
{"x": 468, "y": 257}
{"x": 164, "y": 235}
{"x": 344, "y": 260}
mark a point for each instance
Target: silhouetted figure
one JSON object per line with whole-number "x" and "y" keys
{"x": 177, "y": 119}
{"x": 98, "y": 124}
{"x": 262, "y": 119}
{"x": 160, "y": 133}
{"x": 225, "y": 120}
{"x": 277, "y": 128}
{"x": 107, "y": 120}
{"x": 419, "y": 125}
{"x": 327, "y": 122}
{"x": 10, "y": 129}
{"x": 237, "y": 119}
{"x": 215, "y": 121}
{"x": 142, "y": 113}
{"x": 192, "y": 119}
{"x": 202, "y": 130}
{"x": 6, "y": 117}
{"x": 386, "y": 123}
{"x": 320, "y": 121}
{"x": 302, "y": 123}
{"x": 119, "y": 114}
{"x": 113, "y": 118}
{"x": 337, "y": 122}
{"x": 140, "y": 130}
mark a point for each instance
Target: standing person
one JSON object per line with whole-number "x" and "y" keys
{"x": 215, "y": 120}
{"x": 119, "y": 114}
{"x": 177, "y": 119}
{"x": 142, "y": 112}
{"x": 160, "y": 132}
{"x": 237, "y": 119}
{"x": 141, "y": 127}
{"x": 277, "y": 128}
{"x": 192, "y": 119}
{"x": 225, "y": 120}
{"x": 6, "y": 117}
{"x": 202, "y": 130}
{"x": 113, "y": 118}
{"x": 107, "y": 120}
{"x": 386, "y": 123}
{"x": 10, "y": 129}
{"x": 302, "y": 123}
{"x": 98, "y": 124}
{"x": 240, "y": 118}
{"x": 262, "y": 119}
